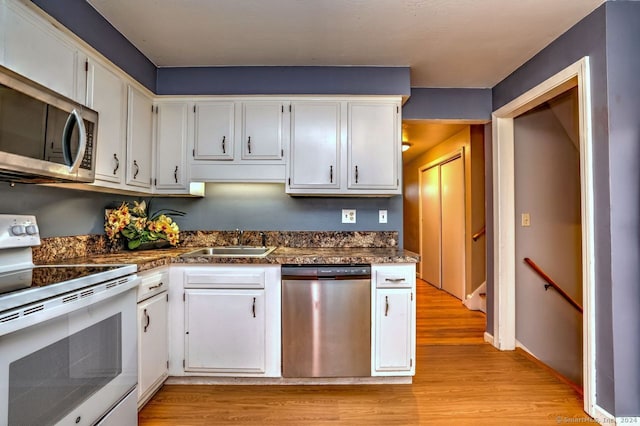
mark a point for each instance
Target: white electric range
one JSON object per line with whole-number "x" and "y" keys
{"x": 68, "y": 352}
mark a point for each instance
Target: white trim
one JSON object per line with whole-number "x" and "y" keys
{"x": 488, "y": 338}
{"x": 504, "y": 214}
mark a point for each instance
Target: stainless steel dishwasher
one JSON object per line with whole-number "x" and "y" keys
{"x": 326, "y": 320}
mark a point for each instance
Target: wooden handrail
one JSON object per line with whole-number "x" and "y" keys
{"x": 479, "y": 234}
{"x": 552, "y": 283}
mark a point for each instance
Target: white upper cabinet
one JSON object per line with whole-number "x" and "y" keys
{"x": 107, "y": 94}
{"x": 214, "y": 130}
{"x": 314, "y": 158}
{"x": 172, "y": 133}
{"x": 262, "y": 130}
{"x": 34, "y": 48}
{"x": 374, "y": 145}
{"x": 347, "y": 146}
{"x": 139, "y": 139}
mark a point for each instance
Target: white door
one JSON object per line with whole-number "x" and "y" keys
{"x": 139, "y": 139}
{"x": 171, "y": 144}
{"x": 431, "y": 226}
{"x": 107, "y": 94}
{"x": 262, "y": 130}
{"x": 315, "y": 145}
{"x": 394, "y": 316}
{"x": 153, "y": 349}
{"x": 453, "y": 227}
{"x": 225, "y": 330}
{"x": 214, "y": 130}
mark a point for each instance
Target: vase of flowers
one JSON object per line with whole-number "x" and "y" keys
{"x": 139, "y": 229}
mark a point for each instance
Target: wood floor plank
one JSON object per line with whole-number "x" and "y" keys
{"x": 460, "y": 380}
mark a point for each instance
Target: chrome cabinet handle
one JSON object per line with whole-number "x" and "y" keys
{"x": 160, "y": 284}
{"x": 175, "y": 174}
{"x": 386, "y": 306}
{"x": 115, "y": 157}
{"x": 224, "y": 148}
{"x": 331, "y": 174}
{"x": 249, "y": 144}
{"x": 394, "y": 280}
{"x": 135, "y": 174}
{"x": 253, "y": 307}
{"x": 148, "y": 321}
{"x": 356, "y": 174}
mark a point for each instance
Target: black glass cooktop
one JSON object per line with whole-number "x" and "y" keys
{"x": 28, "y": 285}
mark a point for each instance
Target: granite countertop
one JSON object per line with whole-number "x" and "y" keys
{"x": 149, "y": 259}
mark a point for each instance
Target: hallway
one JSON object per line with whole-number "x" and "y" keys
{"x": 459, "y": 380}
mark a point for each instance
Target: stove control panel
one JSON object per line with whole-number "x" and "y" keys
{"x": 18, "y": 231}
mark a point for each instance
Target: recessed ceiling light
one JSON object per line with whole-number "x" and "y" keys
{"x": 405, "y": 146}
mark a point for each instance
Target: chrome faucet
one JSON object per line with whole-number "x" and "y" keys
{"x": 240, "y": 236}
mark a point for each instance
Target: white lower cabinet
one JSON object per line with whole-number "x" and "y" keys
{"x": 153, "y": 348}
{"x": 228, "y": 323}
{"x": 225, "y": 330}
{"x": 394, "y": 320}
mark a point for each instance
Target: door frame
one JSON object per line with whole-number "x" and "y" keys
{"x": 575, "y": 75}
{"x": 450, "y": 156}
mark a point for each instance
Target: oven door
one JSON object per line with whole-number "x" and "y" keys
{"x": 74, "y": 367}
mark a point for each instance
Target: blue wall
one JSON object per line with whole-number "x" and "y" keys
{"x": 610, "y": 36}
{"x": 261, "y": 207}
{"x": 448, "y": 104}
{"x": 283, "y": 81}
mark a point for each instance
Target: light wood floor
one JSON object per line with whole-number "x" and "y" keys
{"x": 459, "y": 380}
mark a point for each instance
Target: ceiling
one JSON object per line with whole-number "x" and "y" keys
{"x": 446, "y": 43}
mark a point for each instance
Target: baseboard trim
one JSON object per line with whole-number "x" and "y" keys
{"x": 488, "y": 338}
{"x": 204, "y": 380}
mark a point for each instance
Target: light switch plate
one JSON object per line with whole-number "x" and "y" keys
{"x": 348, "y": 216}
{"x": 382, "y": 216}
{"x": 526, "y": 219}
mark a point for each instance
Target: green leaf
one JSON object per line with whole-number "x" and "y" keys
{"x": 133, "y": 244}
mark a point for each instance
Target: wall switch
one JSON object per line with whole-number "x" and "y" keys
{"x": 382, "y": 216}
{"x": 525, "y": 219}
{"x": 348, "y": 216}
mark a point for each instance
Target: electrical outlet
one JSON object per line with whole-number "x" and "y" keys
{"x": 382, "y": 216}
{"x": 348, "y": 216}
{"x": 525, "y": 219}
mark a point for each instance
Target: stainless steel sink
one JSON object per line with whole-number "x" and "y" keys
{"x": 230, "y": 251}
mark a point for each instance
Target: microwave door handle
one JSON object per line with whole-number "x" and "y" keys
{"x": 74, "y": 117}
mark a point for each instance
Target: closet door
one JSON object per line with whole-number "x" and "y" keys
{"x": 431, "y": 224}
{"x": 453, "y": 254}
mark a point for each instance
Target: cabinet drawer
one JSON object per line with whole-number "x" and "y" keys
{"x": 153, "y": 282}
{"x": 396, "y": 276}
{"x": 225, "y": 279}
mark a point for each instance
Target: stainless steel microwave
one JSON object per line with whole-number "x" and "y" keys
{"x": 44, "y": 136}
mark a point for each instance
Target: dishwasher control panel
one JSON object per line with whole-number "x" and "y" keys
{"x": 325, "y": 271}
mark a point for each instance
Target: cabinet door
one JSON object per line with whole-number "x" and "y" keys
{"x": 172, "y": 131}
{"x": 139, "y": 139}
{"x": 262, "y": 130}
{"x": 153, "y": 349}
{"x": 34, "y": 49}
{"x": 225, "y": 330}
{"x": 214, "y": 131}
{"x": 107, "y": 94}
{"x": 315, "y": 145}
{"x": 374, "y": 145}
{"x": 394, "y": 325}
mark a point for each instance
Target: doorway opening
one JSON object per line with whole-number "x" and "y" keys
{"x": 504, "y": 220}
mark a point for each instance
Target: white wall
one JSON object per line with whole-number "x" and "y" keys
{"x": 548, "y": 188}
